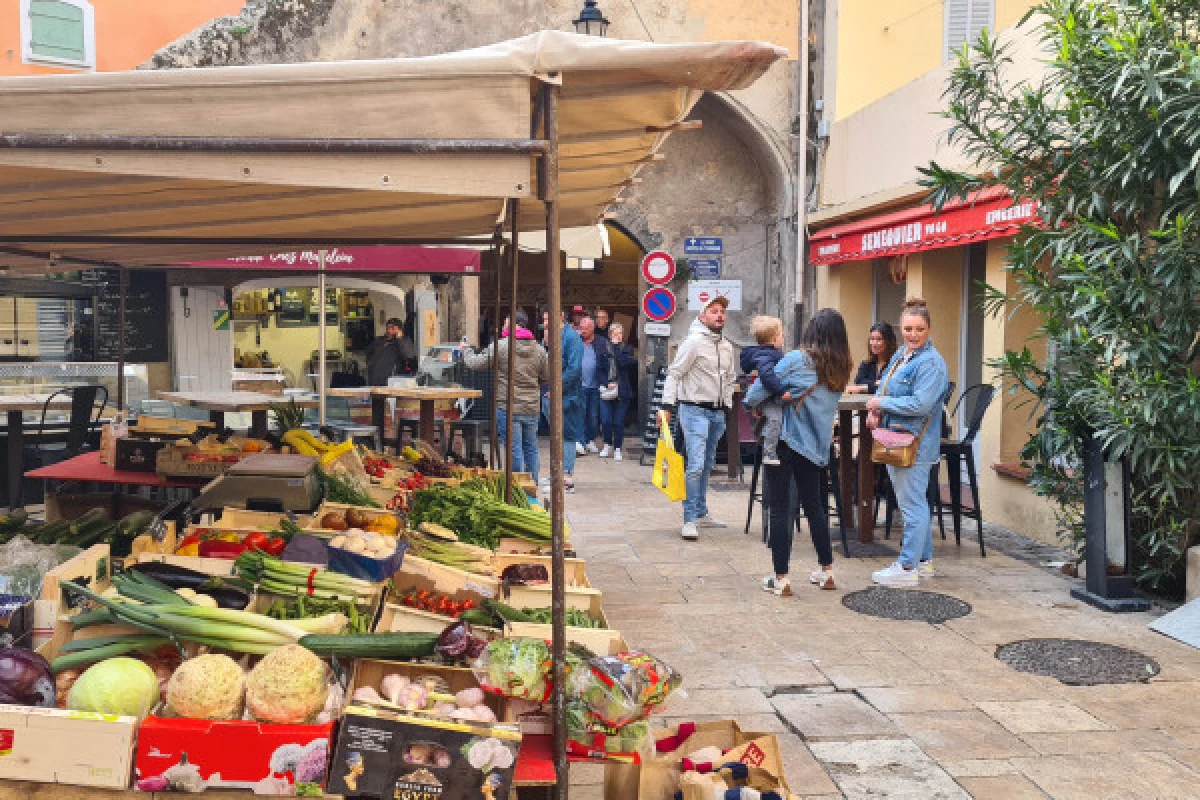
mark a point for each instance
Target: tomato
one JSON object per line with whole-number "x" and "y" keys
{"x": 256, "y": 539}
{"x": 468, "y": 604}
{"x": 275, "y": 546}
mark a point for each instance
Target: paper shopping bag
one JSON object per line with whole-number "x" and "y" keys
{"x": 658, "y": 778}
{"x": 668, "y": 473}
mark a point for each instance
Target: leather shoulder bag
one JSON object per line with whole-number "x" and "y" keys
{"x": 893, "y": 447}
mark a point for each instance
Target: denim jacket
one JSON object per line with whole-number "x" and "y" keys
{"x": 808, "y": 431}
{"x": 913, "y": 395}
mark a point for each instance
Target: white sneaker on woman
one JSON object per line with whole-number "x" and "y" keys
{"x": 823, "y": 578}
{"x": 895, "y": 575}
{"x": 606, "y": 452}
{"x": 579, "y": 451}
{"x": 591, "y": 447}
{"x": 617, "y": 455}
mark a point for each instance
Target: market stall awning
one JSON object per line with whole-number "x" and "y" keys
{"x": 992, "y": 214}
{"x": 383, "y": 258}
{"x": 167, "y": 166}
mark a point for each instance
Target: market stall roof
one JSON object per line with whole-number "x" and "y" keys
{"x": 168, "y": 163}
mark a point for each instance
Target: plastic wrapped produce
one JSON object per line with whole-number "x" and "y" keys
{"x": 515, "y": 667}
{"x": 623, "y": 688}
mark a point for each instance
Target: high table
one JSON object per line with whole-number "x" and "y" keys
{"x": 219, "y": 403}
{"x": 16, "y": 405}
{"x": 865, "y": 507}
{"x": 427, "y": 395}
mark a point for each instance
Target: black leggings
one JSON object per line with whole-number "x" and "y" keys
{"x": 809, "y": 479}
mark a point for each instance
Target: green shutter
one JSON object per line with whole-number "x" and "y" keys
{"x": 56, "y": 30}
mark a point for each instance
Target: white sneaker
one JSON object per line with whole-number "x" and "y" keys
{"x": 606, "y": 452}
{"x": 823, "y": 578}
{"x": 925, "y": 568}
{"x": 579, "y": 451}
{"x": 709, "y": 521}
{"x": 569, "y": 484}
{"x": 895, "y": 575}
{"x": 617, "y": 455}
{"x": 591, "y": 448}
{"x": 689, "y": 532}
{"x": 770, "y": 461}
{"x": 777, "y": 587}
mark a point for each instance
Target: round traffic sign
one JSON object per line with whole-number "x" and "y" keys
{"x": 658, "y": 304}
{"x": 658, "y": 267}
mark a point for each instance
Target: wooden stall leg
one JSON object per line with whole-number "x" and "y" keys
{"x": 866, "y": 483}
{"x": 258, "y": 424}
{"x": 427, "y": 421}
{"x": 846, "y": 463}
{"x": 379, "y": 418}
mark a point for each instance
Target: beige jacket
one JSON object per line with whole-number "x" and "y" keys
{"x": 531, "y": 365}
{"x": 704, "y": 369}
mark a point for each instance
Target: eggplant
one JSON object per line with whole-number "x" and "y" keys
{"x": 226, "y": 596}
{"x": 174, "y": 576}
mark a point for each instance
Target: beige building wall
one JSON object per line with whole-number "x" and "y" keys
{"x": 938, "y": 277}
{"x": 849, "y": 288}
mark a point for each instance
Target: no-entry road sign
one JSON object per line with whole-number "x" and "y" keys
{"x": 658, "y": 304}
{"x": 658, "y": 267}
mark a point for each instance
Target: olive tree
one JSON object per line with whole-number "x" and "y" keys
{"x": 1107, "y": 141}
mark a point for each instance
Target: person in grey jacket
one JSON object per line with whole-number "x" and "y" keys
{"x": 531, "y": 368}
{"x": 700, "y": 382}
{"x": 391, "y": 354}
{"x": 815, "y": 375}
{"x": 910, "y": 394}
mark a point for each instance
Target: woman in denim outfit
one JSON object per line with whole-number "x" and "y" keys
{"x": 815, "y": 375}
{"x": 909, "y": 396}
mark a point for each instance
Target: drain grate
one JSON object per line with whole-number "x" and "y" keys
{"x": 911, "y": 604}
{"x": 1076, "y": 662}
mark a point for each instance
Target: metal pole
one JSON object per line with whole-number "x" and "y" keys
{"x": 495, "y": 366}
{"x": 549, "y": 188}
{"x": 123, "y": 283}
{"x": 514, "y": 260}
{"x": 321, "y": 337}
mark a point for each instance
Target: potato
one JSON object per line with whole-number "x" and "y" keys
{"x": 338, "y": 541}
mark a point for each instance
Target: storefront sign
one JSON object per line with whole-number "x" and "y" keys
{"x": 990, "y": 215}
{"x": 384, "y": 258}
{"x": 701, "y": 293}
{"x": 705, "y": 267}
{"x": 658, "y": 304}
{"x": 658, "y": 267}
{"x": 703, "y": 245}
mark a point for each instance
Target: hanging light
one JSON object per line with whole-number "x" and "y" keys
{"x": 592, "y": 21}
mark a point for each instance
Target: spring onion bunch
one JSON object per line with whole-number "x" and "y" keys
{"x": 284, "y": 578}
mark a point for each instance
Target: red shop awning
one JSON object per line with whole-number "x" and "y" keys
{"x": 992, "y": 214}
{"x": 384, "y": 258}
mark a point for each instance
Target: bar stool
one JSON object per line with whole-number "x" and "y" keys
{"x": 472, "y": 436}
{"x": 363, "y": 434}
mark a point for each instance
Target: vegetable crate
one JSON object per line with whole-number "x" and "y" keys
{"x": 576, "y": 568}
{"x": 341, "y": 509}
{"x": 579, "y": 597}
{"x": 91, "y": 568}
{"x": 509, "y": 546}
{"x": 369, "y": 672}
{"x": 421, "y": 573}
{"x": 241, "y": 519}
{"x": 400, "y": 618}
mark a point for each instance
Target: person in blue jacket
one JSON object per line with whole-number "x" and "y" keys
{"x": 909, "y": 395}
{"x": 815, "y": 375}
{"x": 761, "y": 359}
{"x": 572, "y": 388}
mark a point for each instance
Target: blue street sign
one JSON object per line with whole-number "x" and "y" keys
{"x": 706, "y": 267}
{"x": 658, "y": 304}
{"x": 703, "y": 245}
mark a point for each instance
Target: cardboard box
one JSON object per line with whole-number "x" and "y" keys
{"x": 391, "y": 755}
{"x": 50, "y": 745}
{"x": 138, "y": 455}
{"x": 232, "y": 753}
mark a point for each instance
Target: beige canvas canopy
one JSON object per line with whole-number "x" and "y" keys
{"x": 193, "y": 164}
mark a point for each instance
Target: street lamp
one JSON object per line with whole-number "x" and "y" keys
{"x": 592, "y": 21}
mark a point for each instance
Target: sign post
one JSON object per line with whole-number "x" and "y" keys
{"x": 658, "y": 268}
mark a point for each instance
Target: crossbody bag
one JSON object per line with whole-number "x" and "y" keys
{"x": 891, "y": 447}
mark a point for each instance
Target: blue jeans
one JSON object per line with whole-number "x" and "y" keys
{"x": 911, "y": 485}
{"x": 572, "y": 412}
{"x": 702, "y": 429}
{"x": 524, "y": 445}
{"x": 591, "y": 414}
{"x": 612, "y": 419}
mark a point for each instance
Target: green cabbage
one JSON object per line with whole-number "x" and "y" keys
{"x": 121, "y": 685}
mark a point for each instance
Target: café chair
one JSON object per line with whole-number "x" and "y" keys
{"x": 974, "y": 402}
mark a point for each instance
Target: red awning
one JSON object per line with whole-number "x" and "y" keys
{"x": 992, "y": 214}
{"x": 391, "y": 258}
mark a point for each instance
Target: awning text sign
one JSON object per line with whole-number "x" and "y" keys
{"x": 917, "y": 229}
{"x": 382, "y": 258}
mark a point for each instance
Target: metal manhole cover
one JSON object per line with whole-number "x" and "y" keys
{"x": 882, "y": 601}
{"x": 1078, "y": 663}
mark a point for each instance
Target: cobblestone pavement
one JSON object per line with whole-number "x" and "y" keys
{"x": 866, "y": 707}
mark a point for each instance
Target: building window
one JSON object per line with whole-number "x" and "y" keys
{"x": 965, "y": 19}
{"x": 58, "y": 32}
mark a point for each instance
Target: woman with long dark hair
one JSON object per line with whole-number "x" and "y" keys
{"x": 815, "y": 374}
{"x": 881, "y": 346}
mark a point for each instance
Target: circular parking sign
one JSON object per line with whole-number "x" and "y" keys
{"x": 658, "y": 267}
{"x": 658, "y": 304}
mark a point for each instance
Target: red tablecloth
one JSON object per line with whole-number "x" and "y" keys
{"x": 87, "y": 467}
{"x": 535, "y": 763}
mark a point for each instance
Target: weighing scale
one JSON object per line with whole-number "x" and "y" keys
{"x": 265, "y": 482}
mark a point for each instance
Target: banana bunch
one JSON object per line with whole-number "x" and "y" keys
{"x": 304, "y": 442}
{"x": 410, "y": 454}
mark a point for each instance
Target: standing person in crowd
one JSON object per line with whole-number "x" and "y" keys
{"x": 815, "y": 375}
{"x": 881, "y": 346}
{"x": 701, "y": 380}
{"x": 909, "y": 397}
{"x": 572, "y": 389}
{"x": 602, "y": 323}
{"x": 619, "y": 368}
{"x": 761, "y": 359}
{"x": 595, "y": 374}
{"x": 390, "y": 354}
{"x": 530, "y": 370}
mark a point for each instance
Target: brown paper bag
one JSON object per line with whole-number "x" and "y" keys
{"x": 658, "y": 778}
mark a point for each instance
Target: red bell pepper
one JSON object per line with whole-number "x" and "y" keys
{"x": 218, "y": 549}
{"x": 275, "y": 546}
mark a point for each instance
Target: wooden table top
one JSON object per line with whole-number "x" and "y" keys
{"x": 854, "y": 402}
{"x": 31, "y": 402}
{"x": 409, "y": 392}
{"x": 232, "y": 401}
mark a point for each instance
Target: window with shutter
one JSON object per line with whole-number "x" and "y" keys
{"x": 58, "y": 32}
{"x": 964, "y": 21}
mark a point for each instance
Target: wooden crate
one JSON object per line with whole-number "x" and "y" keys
{"x": 576, "y": 568}
{"x": 371, "y": 672}
{"x": 91, "y": 568}
{"x": 511, "y": 545}
{"x": 167, "y": 426}
{"x": 372, "y": 513}
{"x": 421, "y": 573}
{"x": 241, "y": 519}
{"x": 601, "y": 641}
{"x": 397, "y": 617}
{"x": 580, "y": 597}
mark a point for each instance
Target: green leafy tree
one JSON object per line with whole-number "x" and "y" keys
{"x": 1107, "y": 141}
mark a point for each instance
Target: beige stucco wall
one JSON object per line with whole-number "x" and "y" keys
{"x": 849, "y": 288}
{"x": 937, "y": 276}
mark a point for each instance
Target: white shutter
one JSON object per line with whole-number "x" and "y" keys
{"x": 964, "y": 20}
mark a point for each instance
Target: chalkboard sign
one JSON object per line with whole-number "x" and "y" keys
{"x": 650, "y": 433}
{"x": 145, "y": 314}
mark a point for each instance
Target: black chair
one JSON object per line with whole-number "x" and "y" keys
{"x": 973, "y": 403}
{"x": 50, "y": 443}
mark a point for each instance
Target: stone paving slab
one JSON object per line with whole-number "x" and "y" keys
{"x": 827, "y": 716}
{"x": 896, "y": 769}
{"x": 1002, "y": 787}
{"x": 1100, "y": 777}
{"x": 1042, "y": 716}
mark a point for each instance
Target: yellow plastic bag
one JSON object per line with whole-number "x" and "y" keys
{"x": 668, "y": 473}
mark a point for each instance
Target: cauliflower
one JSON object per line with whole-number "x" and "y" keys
{"x": 207, "y": 687}
{"x": 289, "y": 686}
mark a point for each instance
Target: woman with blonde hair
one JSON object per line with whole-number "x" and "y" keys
{"x": 910, "y": 395}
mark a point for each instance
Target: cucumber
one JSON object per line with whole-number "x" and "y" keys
{"x": 483, "y": 617}
{"x": 382, "y": 646}
{"x": 135, "y": 523}
{"x": 88, "y": 520}
{"x": 94, "y": 534}
{"x": 50, "y": 532}
{"x": 506, "y": 612}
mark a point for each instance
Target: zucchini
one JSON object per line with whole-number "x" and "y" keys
{"x": 382, "y": 646}
{"x": 135, "y": 523}
{"x": 50, "y": 532}
{"x": 506, "y": 612}
{"x": 13, "y": 520}
{"x": 94, "y": 534}
{"x": 482, "y": 617}
{"x": 88, "y": 521}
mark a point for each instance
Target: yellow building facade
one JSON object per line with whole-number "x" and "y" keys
{"x": 872, "y": 241}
